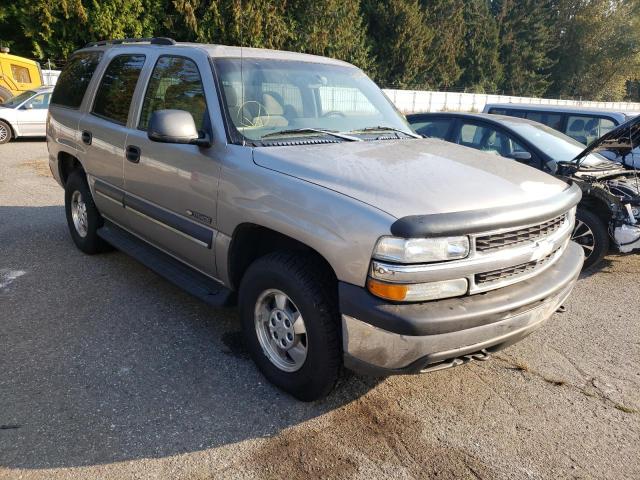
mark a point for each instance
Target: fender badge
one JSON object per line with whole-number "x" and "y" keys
{"x": 201, "y": 217}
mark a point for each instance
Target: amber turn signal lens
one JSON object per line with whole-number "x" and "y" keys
{"x": 388, "y": 291}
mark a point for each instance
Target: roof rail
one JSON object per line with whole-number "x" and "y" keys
{"x": 151, "y": 40}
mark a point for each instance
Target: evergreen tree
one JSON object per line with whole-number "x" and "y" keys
{"x": 600, "y": 48}
{"x": 332, "y": 28}
{"x": 526, "y": 29}
{"x": 480, "y": 60}
{"x": 400, "y": 38}
{"x": 447, "y": 45}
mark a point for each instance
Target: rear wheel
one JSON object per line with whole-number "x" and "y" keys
{"x": 5, "y": 132}
{"x": 290, "y": 322}
{"x": 83, "y": 217}
{"x": 591, "y": 233}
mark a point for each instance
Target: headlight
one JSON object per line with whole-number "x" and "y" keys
{"x": 418, "y": 292}
{"x": 421, "y": 250}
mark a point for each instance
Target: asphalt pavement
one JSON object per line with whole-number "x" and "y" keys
{"x": 108, "y": 371}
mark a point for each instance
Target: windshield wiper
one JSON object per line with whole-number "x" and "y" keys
{"x": 383, "y": 129}
{"x": 313, "y": 130}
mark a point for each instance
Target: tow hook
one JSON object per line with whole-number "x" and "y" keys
{"x": 561, "y": 309}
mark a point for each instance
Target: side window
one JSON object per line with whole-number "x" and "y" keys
{"x": 587, "y": 129}
{"x": 606, "y": 125}
{"x": 20, "y": 74}
{"x": 74, "y": 79}
{"x": 436, "y": 128}
{"x": 115, "y": 92}
{"x": 489, "y": 139}
{"x": 498, "y": 111}
{"x": 175, "y": 83}
{"x": 39, "y": 102}
{"x": 553, "y": 120}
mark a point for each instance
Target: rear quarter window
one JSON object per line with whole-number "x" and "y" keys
{"x": 74, "y": 79}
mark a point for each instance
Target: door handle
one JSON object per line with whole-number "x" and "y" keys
{"x": 133, "y": 154}
{"x": 86, "y": 137}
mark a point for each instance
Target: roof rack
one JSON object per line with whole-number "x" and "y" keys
{"x": 151, "y": 40}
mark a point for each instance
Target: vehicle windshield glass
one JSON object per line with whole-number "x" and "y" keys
{"x": 557, "y": 145}
{"x": 15, "y": 101}
{"x": 271, "y": 96}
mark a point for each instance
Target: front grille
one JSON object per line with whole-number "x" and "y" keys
{"x": 508, "y": 273}
{"x": 512, "y": 238}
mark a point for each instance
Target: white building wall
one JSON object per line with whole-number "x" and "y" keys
{"x": 412, "y": 101}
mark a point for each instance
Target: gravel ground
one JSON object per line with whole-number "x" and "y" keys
{"x": 108, "y": 371}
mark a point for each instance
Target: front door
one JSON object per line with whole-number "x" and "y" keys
{"x": 32, "y": 116}
{"x": 171, "y": 188}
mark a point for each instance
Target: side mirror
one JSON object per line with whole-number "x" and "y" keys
{"x": 28, "y": 106}
{"x": 524, "y": 157}
{"x": 175, "y": 126}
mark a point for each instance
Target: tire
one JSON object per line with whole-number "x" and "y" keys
{"x": 5, "y": 95}
{"x": 591, "y": 233}
{"x": 83, "y": 228}
{"x": 5, "y": 132}
{"x": 309, "y": 290}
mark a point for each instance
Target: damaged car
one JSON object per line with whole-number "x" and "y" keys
{"x": 609, "y": 212}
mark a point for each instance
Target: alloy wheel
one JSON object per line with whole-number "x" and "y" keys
{"x": 281, "y": 330}
{"x": 583, "y": 236}
{"x": 79, "y": 214}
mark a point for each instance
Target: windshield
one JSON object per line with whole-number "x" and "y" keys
{"x": 13, "y": 102}
{"x": 557, "y": 145}
{"x": 272, "y": 96}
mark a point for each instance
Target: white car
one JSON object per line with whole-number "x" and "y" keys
{"x": 25, "y": 115}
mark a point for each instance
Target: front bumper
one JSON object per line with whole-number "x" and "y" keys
{"x": 384, "y": 338}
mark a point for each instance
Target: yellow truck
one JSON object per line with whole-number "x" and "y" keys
{"x": 17, "y": 74}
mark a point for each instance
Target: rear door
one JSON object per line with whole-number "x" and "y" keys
{"x": 103, "y": 129}
{"x": 32, "y": 115}
{"x": 67, "y": 99}
{"x": 172, "y": 189}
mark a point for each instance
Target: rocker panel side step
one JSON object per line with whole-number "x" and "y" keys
{"x": 190, "y": 280}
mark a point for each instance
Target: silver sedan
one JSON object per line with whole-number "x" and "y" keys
{"x": 25, "y": 115}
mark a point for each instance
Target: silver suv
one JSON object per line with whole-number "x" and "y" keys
{"x": 290, "y": 184}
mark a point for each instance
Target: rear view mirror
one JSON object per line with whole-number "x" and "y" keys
{"x": 175, "y": 126}
{"x": 524, "y": 157}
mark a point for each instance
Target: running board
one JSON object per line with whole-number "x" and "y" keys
{"x": 190, "y": 280}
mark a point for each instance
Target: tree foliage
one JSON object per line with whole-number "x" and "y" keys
{"x": 569, "y": 48}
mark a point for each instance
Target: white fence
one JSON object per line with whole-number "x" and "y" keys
{"x": 411, "y": 101}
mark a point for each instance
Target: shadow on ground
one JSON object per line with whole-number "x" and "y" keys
{"x": 104, "y": 361}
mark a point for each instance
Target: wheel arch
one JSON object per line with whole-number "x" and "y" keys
{"x": 67, "y": 163}
{"x": 11, "y": 127}
{"x": 251, "y": 241}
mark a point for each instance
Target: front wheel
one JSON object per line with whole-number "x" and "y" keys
{"x": 591, "y": 234}
{"x": 288, "y": 310}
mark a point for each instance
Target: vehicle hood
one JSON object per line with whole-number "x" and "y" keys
{"x": 621, "y": 140}
{"x": 413, "y": 177}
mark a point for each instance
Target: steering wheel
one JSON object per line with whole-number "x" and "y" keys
{"x": 258, "y": 120}
{"x": 334, "y": 113}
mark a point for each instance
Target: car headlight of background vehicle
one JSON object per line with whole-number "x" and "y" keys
{"x": 421, "y": 250}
